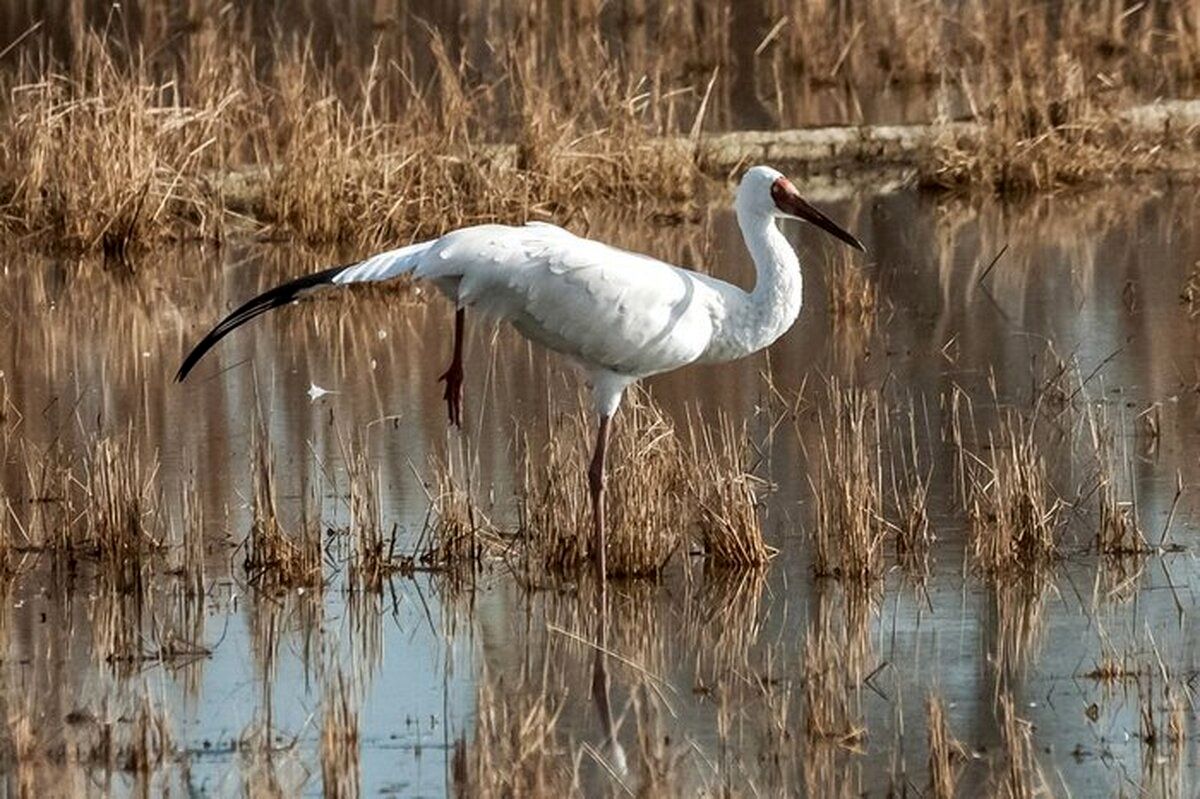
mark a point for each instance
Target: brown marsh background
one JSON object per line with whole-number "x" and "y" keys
{"x": 940, "y": 540}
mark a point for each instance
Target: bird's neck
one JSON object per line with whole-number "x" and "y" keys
{"x": 755, "y": 319}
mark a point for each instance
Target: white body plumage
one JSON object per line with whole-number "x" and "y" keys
{"x": 620, "y": 316}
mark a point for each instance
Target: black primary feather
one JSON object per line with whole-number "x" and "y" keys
{"x": 282, "y": 294}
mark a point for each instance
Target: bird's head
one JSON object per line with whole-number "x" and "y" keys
{"x": 766, "y": 192}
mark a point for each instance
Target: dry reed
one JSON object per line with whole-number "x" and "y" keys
{"x": 274, "y": 557}
{"x": 374, "y": 557}
{"x": 946, "y": 754}
{"x": 123, "y": 514}
{"x": 339, "y": 741}
{"x": 191, "y": 558}
{"x": 457, "y": 533}
{"x": 514, "y": 751}
{"x": 647, "y": 513}
{"x": 910, "y": 495}
{"x": 726, "y": 494}
{"x": 1013, "y": 510}
{"x": 849, "y": 530}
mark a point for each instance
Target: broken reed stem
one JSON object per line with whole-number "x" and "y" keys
{"x": 123, "y": 510}
{"x": 910, "y": 494}
{"x": 848, "y": 489}
{"x": 946, "y": 754}
{"x": 647, "y": 513}
{"x": 1118, "y": 534}
{"x": 340, "y": 770}
{"x": 1014, "y": 514}
{"x": 374, "y": 557}
{"x": 726, "y": 494}
{"x": 191, "y": 565}
{"x": 275, "y": 557}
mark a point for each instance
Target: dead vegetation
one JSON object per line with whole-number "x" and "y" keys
{"x": 515, "y": 750}
{"x": 457, "y": 534}
{"x": 1012, "y": 507}
{"x": 849, "y": 531}
{"x": 946, "y": 754}
{"x": 647, "y": 483}
{"x": 726, "y": 494}
{"x": 393, "y": 133}
{"x": 339, "y": 741}
{"x": 276, "y": 557}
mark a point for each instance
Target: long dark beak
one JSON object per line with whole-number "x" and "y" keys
{"x": 788, "y": 200}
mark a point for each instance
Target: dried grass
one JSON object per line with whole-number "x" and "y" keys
{"x": 275, "y": 557}
{"x": 849, "y": 531}
{"x": 374, "y": 558}
{"x": 726, "y": 494}
{"x": 457, "y": 533}
{"x": 1013, "y": 510}
{"x": 515, "y": 750}
{"x": 646, "y": 493}
{"x": 340, "y": 775}
{"x": 946, "y": 754}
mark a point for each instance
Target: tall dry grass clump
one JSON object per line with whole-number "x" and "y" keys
{"x": 726, "y": 494}
{"x": 910, "y": 496}
{"x": 340, "y": 772}
{"x": 646, "y": 492}
{"x": 946, "y": 754}
{"x": 850, "y": 529}
{"x": 1013, "y": 509}
{"x": 123, "y": 509}
{"x": 515, "y": 748}
{"x": 100, "y": 154}
{"x": 457, "y": 533}
{"x": 1118, "y": 533}
{"x": 374, "y": 557}
{"x": 274, "y": 556}
{"x": 119, "y": 146}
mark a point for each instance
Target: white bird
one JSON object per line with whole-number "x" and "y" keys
{"x": 618, "y": 315}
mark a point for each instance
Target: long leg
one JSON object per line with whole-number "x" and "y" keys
{"x": 596, "y": 483}
{"x": 453, "y": 377}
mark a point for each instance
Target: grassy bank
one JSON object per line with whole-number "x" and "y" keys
{"x": 118, "y": 131}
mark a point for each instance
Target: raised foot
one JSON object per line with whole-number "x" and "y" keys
{"x": 453, "y": 394}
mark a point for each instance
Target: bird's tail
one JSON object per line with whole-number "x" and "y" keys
{"x": 384, "y": 266}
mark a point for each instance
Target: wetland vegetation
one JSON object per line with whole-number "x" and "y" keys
{"x": 940, "y": 540}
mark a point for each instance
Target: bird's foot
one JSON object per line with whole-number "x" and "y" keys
{"x": 453, "y": 394}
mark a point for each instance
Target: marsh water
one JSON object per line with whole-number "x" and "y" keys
{"x": 702, "y": 658}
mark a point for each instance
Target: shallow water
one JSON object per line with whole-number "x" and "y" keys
{"x": 1095, "y": 280}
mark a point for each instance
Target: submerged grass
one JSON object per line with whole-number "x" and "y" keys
{"x": 850, "y": 529}
{"x": 274, "y": 556}
{"x": 648, "y": 515}
{"x": 726, "y": 494}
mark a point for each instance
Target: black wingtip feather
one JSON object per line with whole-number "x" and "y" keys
{"x": 282, "y": 294}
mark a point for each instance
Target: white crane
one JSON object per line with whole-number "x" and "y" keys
{"x": 619, "y": 316}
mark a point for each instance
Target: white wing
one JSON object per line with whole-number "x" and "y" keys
{"x": 608, "y": 308}
{"x": 605, "y": 307}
